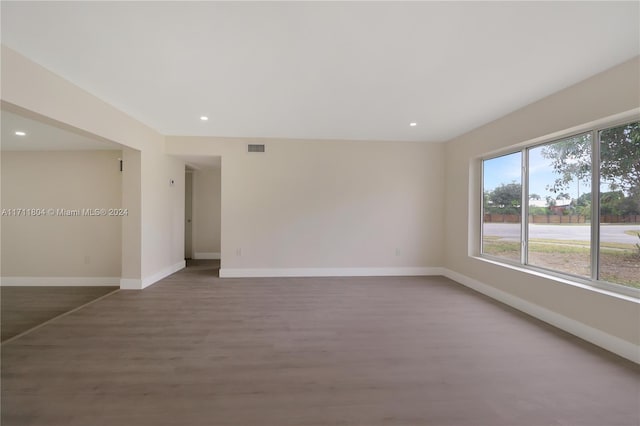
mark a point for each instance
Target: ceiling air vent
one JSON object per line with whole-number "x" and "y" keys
{"x": 256, "y": 148}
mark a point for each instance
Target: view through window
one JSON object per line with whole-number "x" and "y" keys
{"x": 620, "y": 205}
{"x": 564, "y": 231}
{"x": 559, "y": 207}
{"x": 502, "y": 200}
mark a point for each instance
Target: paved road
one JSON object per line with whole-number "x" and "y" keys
{"x": 609, "y": 233}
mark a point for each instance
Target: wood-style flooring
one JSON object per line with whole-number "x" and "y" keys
{"x": 195, "y": 349}
{"x": 23, "y": 308}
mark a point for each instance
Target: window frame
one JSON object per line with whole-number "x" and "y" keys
{"x": 523, "y": 149}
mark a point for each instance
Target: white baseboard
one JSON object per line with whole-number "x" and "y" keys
{"x": 599, "y": 338}
{"x": 137, "y": 284}
{"x": 146, "y": 282}
{"x": 205, "y": 255}
{"x": 328, "y": 272}
{"x": 130, "y": 284}
{"x": 59, "y": 281}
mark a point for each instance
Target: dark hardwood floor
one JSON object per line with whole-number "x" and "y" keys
{"x": 198, "y": 350}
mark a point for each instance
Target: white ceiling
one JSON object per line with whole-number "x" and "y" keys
{"x": 41, "y": 136}
{"x": 332, "y": 70}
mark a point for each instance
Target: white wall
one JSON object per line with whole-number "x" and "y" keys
{"x": 56, "y": 246}
{"x": 611, "y": 320}
{"x": 206, "y": 213}
{"x": 159, "y": 228}
{"x": 327, "y": 207}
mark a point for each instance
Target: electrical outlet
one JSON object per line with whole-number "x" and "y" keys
{"x": 238, "y": 252}
{"x": 397, "y": 252}
{"x": 87, "y": 260}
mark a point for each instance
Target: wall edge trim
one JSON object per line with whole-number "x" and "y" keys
{"x": 328, "y": 272}
{"x": 206, "y": 255}
{"x": 130, "y": 284}
{"x": 163, "y": 273}
{"x": 59, "y": 281}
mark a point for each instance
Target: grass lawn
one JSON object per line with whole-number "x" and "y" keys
{"x": 619, "y": 263}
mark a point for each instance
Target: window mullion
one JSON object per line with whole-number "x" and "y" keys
{"x": 524, "y": 211}
{"x": 595, "y": 205}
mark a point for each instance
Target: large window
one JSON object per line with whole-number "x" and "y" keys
{"x": 546, "y": 206}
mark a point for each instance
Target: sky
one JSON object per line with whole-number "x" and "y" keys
{"x": 506, "y": 169}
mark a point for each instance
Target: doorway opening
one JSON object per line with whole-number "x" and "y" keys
{"x": 188, "y": 213}
{"x": 203, "y": 178}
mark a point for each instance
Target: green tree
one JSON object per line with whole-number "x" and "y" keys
{"x": 610, "y": 202}
{"x": 583, "y": 205}
{"x": 584, "y": 200}
{"x": 629, "y": 206}
{"x": 571, "y": 160}
{"x": 619, "y": 155}
{"x": 505, "y": 199}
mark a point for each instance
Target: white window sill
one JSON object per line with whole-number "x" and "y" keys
{"x": 618, "y": 291}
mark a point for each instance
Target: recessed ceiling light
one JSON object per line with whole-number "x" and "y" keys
{"x": 413, "y": 124}
{"x": 20, "y": 133}
{"x": 204, "y": 118}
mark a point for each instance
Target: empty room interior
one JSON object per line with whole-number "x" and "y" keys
{"x": 320, "y": 213}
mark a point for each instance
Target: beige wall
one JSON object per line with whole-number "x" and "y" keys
{"x": 159, "y": 229}
{"x": 327, "y": 204}
{"x": 206, "y": 212}
{"x": 605, "y": 95}
{"x": 162, "y": 212}
{"x": 56, "y": 246}
{"x": 132, "y": 223}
